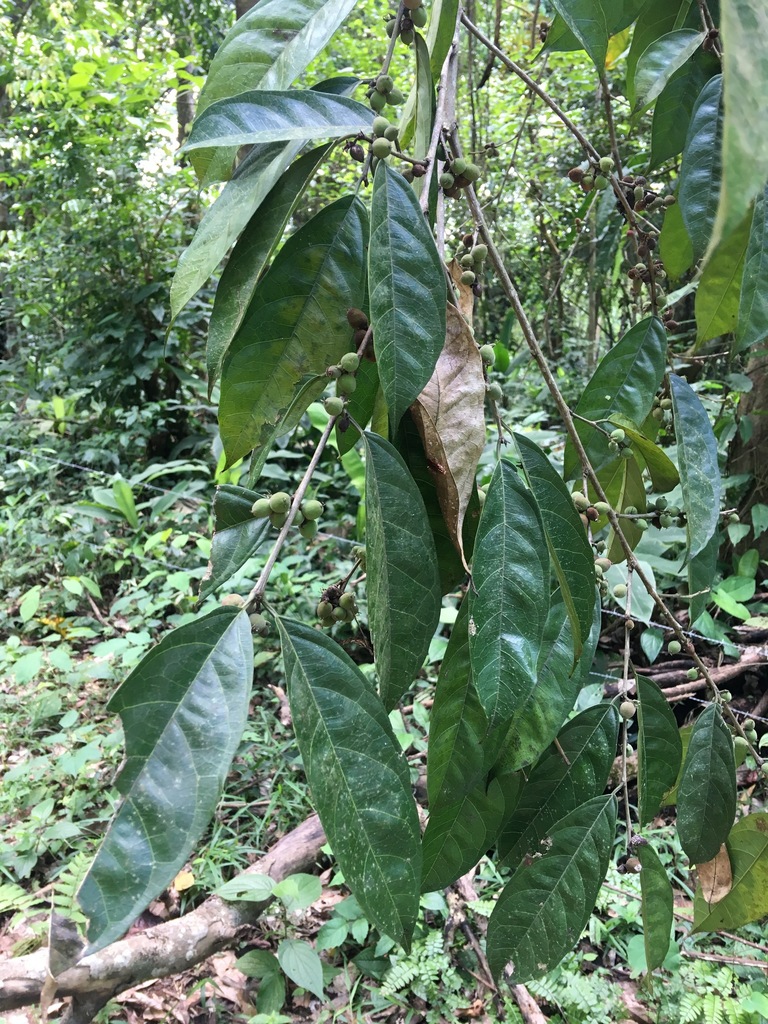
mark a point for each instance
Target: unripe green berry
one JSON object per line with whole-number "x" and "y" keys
{"x": 627, "y": 709}
{"x": 349, "y": 362}
{"x": 348, "y": 603}
{"x": 618, "y": 434}
{"x": 308, "y": 529}
{"x": 381, "y": 148}
{"x": 391, "y": 26}
{"x": 660, "y": 503}
{"x": 259, "y": 624}
{"x": 619, "y": 590}
{"x": 479, "y": 252}
{"x": 488, "y": 354}
{"x": 468, "y": 277}
{"x": 458, "y": 166}
{"x": 339, "y": 614}
{"x": 419, "y": 17}
{"x": 334, "y": 406}
{"x": 377, "y": 101}
{"x": 278, "y": 519}
{"x": 312, "y": 508}
{"x": 604, "y": 563}
{"x": 641, "y": 525}
{"x": 261, "y": 508}
{"x": 603, "y": 507}
{"x": 395, "y": 98}
{"x": 233, "y": 601}
{"x": 726, "y": 696}
{"x": 674, "y": 647}
{"x": 324, "y": 610}
{"x": 407, "y": 37}
{"x": 580, "y": 501}
{"x": 494, "y": 392}
{"x": 391, "y": 133}
{"x": 466, "y": 260}
{"x": 740, "y": 747}
{"x": 630, "y": 510}
{"x": 626, "y": 453}
{"x": 666, "y": 521}
{"x": 471, "y": 172}
{"x": 380, "y": 125}
{"x": 692, "y": 673}
{"x": 601, "y": 181}
{"x": 447, "y": 180}
{"x": 606, "y": 164}
{"x": 613, "y": 447}
{"x": 384, "y": 84}
{"x": 280, "y": 502}
{"x": 346, "y": 384}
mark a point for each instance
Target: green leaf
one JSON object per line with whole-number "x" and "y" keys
{"x": 706, "y": 796}
{"x": 360, "y": 405}
{"x": 670, "y": 798}
{"x": 440, "y": 32}
{"x": 407, "y": 291}
{"x": 624, "y": 486}
{"x": 237, "y": 535}
{"x": 701, "y": 168}
{"x": 295, "y": 327}
{"x": 744, "y": 28}
{"x": 403, "y": 587}
{"x": 674, "y": 244}
{"x": 183, "y": 709}
{"x": 302, "y": 965}
{"x": 657, "y": 905}
{"x": 569, "y": 550}
{"x": 752, "y": 327}
{"x": 625, "y": 382}
{"x": 747, "y": 846}
{"x": 259, "y": 117}
{"x": 659, "y": 748}
{"x": 658, "y": 18}
{"x": 541, "y": 913}
{"x": 250, "y": 888}
{"x": 673, "y": 109}
{"x": 719, "y": 291}
{"x": 359, "y": 782}
{"x": 697, "y": 458}
{"x": 509, "y": 596}
{"x": 562, "y": 780}
{"x": 123, "y": 494}
{"x": 298, "y": 891}
{"x": 661, "y": 60}
{"x": 592, "y": 22}
{"x": 663, "y": 472}
{"x": 252, "y": 254}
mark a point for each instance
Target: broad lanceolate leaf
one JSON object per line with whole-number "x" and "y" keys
{"x": 558, "y": 784}
{"x": 657, "y": 906}
{"x": 509, "y": 596}
{"x": 403, "y": 587}
{"x": 659, "y": 17}
{"x": 747, "y": 901}
{"x": 744, "y": 27}
{"x": 237, "y": 535}
{"x": 359, "y": 782}
{"x": 706, "y": 796}
{"x": 673, "y": 109}
{"x": 674, "y": 244}
{"x": 540, "y": 914}
{"x": 659, "y": 748}
{"x": 407, "y": 291}
{"x": 295, "y": 327}
{"x": 719, "y": 291}
{"x": 701, "y": 169}
{"x": 588, "y": 20}
{"x": 697, "y": 458}
{"x": 625, "y": 382}
{"x": 661, "y": 60}
{"x": 450, "y": 416}
{"x": 183, "y": 708}
{"x": 569, "y": 549}
{"x": 251, "y": 255}
{"x": 752, "y": 327}
{"x": 259, "y": 117}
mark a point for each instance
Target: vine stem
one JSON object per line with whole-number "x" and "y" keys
{"x": 445, "y": 108}
{"x": 254, "y": 598}
{"x": 624, "y": 721}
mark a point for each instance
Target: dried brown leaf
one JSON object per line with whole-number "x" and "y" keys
{"x": 466, "y": 298}
{"x": 715, "y": 876}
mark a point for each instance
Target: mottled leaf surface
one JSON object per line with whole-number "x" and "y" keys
{"x": 752, "y": 325}
{"x": 541, "y": 912}
{"x": 509, "y": 596}
{"x": 407, "y": 291}
{"x": 659, "y": 748}
{"x": 706, "y": 795}
{"x": 183, "y": 709}
{"x": 697, "y": 459}
{"x": 359, "y": 782}
{"x": 701, "y": 168}
{"x": 403, "y": 586}
{"x": 747, "y": 901}
{"x": 657, "y": 906}
{"x": 236, "y": 538}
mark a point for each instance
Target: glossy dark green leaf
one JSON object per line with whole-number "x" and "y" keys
{"x": 509, "y": 596}
{"x": 673, "y": 109}
{"x": 569, "y": 550}
{"x": 258, "y": 116}
{"x": 541, "y": 912}
{"x": 236, "y": 538}
{"x": 402, "y": 585}
{"x": 747, "y": 846}
{"x": 701, "y": 168}
{"x": 752, "y": 326}
{"x": 623, "y": 484}
{"x": 407, "y": 291}
{"x": 252, "y": 254}
{"x": 658, "y": 18}
{"x": 697, "y": 459}
{"x": 625, "y": 382}
{"x": 661, "y": 60}
{"x": 295, "y": 327}
{"x": 706, "y": 796}
{"x": 183, "y": 709}
{"x": 659, "y": 748}
{"x": 719, "y": 291}
{"x": 588, "y": 24}
{"x": 674, "y": 244}
{"x": 657, "y": 905}
{"x": 556, "y": 786}
{"x": 359, "y": 781}
{"x": 744, "y": 28}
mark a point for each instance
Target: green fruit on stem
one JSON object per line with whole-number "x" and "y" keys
{"x": 494, "y": 392}
{"x": 348, "y": 603}
{"x": 580, "y": 501}
{"x": 280, "y": 502}
{"x": 488, "y": 354}
{"x": 692, "y": 673}
{"x": 603, "y": 507}
{"x": 278, "y": 519}
{"x": 308, "y": 530}
{"x": 334, "y": 406}
{"x": 419, "y": 17}
{"x": 391, "y": 26}
{"x": 233, "y": 601}
{"x": 471, "y": 172}
{"x": 641, "y": 525}
{"x": 666, "y": 521}
{"x": 601, "y": 181}
{"x": 391, "y": 134}
{"x": 627, "y": 709}
{"x": 384, "y": 84}
{"x": 626, "y": 453}
{"x": 466, "y": 260}
{"x": 407, "y": 36}
{"x": 606, "y": 164}
{"x": 674, "y": 647}
{"x": 261, "y": 508}
{"x": 324, "y": 610}
{"x": 618, "y": 434}
{"x": 479, "y": 252}
{"x": 377, "y": 101}
{"x": 346, "y": 384}
{"x": 619, "y": 591}
{"x": 312, "y": 508}
{"x": 630, "y": 510}
{"x": 350, "y": 362}
{"x": 340, "y": 614}
{"x": 395, "y": 98}
{"x": 740, "y": 747}
{"x": 661, "y": 504}
{"x": 259, "y": 624}
{"x": 380, "y": 125}
{"x": 446, "y": 180}
{"x": 468, "y": 277}
{"x": 613, "y": 447}
{"x": 458, "y": 167}
{"x": 381, "y": 148}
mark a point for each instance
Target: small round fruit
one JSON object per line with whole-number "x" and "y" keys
{"x": 674, "y": 647}
{"x": 630, "y": 510}
{"x": 381, "y": 148}
{"x": 261, "y": 508}
{"x": 395, "y": 98}
{"x": 278, "y": 519}
{"x": 356, "y": 318}
{"x": 479, "y": 252}
{"x": 627, "y": 709}
{"x": 391, "y": 26}
{"x": 346, "y": 384}
{"x": 601, "y": 181}
{"x": 349, "y": 362}
{"x": 613, "y": 447}
{"x": 339, "y": 614}
{"x": 308, "y": 529}
{"x": 740, "y": 747}
{"x": 471, "y": 172}
{"x": 641, "y": 525}
{"x": 334, "y": 406}
{"x": 619, "y": 591}
{"x": 380, "y": 125}
{"x": 666, "y": 521}
{"x": 606, "y": 164}
{"x": 384, "y": 84}
{"x": 312, "y": 508}
{"x": 446, "y": 180}
{"x": 764, "y": 768}
{"x": 494, "y": 392}
{"x": 407, "y": 36}
{"x": 391, "y": 134}
{"x": 324, "y": 610}
{"x": 458, "y": 166}
{"x": 233, "y": 601}
{"x": 603, "y": 507}
{"x": 576, "y": 174}
{"x": 488, "y": 354}
{"x": 377, "y": 101}
{"x": 419, "y": 17}
{"x": 348, "y": 603}
{"x": 482, "y": 494}
{"x": 280, "y": 502}
{"x": 626, "y": 453}
{"x": 660, "y": 503}
{"x": 618, "y": 435}
{"x": 468, "y": 277}
{"x": 580, "y": 501}
{"x": 604, "y": 563}
{"x": 259, "y": 624}
{"x": 692, "y": 673}
{"x": 726, "y": 696}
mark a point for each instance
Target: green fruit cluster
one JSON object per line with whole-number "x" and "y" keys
{"x": 470, "y": 257}
{"x": 458, "y": 174}
{"x": 383, "y": 92}
{"x": 336, "y": 607}
{"x": 276, "y": 508}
